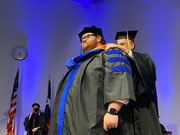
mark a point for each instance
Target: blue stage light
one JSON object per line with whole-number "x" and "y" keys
{"x": 84, "y": 1}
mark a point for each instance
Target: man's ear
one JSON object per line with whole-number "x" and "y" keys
{"x": 132, "y": 45}
{"x": 99, "y": 38}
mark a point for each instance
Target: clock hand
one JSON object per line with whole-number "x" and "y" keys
{"x": 18, "y": 54}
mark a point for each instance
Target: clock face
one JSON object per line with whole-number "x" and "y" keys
{"x": 19, "y": 53}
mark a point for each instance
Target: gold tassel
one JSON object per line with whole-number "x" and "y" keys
{"x": 128, "y": 41}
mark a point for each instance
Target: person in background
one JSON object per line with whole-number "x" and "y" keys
{"x": 145, "y": 109}
{"x": 35, "y": 122}
{"x": 91, "y": 95}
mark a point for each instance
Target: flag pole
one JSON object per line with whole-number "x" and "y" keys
{"x": 48, "y": 104}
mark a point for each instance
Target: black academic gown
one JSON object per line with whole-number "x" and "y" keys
{"x": 95, "y": 85}
{"x": 35, "y": 122}
{"x": 145, "y": 109}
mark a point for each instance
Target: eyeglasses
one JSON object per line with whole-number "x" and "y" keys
{"x": 87, "y": 36}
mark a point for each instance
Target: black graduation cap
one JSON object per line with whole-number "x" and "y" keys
{"x": 123, "y": 34}
{"x": 35, "y": 104}
{"x": 92, "y": 29}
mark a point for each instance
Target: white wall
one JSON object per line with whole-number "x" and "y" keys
{"x": 49, "y": 28}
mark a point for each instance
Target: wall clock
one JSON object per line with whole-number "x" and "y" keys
{"x": 19, "y": 53}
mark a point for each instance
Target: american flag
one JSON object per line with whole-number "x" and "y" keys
{"x": 48, "y": 105}
{"x": 10, "y": 128}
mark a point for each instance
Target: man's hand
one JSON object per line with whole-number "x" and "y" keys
{"x": 120, "y": 47}
{"x": 35, "y": 129}
{"x": 110, "y": 121}
{"x": 31, "y": 114}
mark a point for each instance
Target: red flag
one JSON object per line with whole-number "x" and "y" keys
{"x": 48, "y": 105}
{"x": 10, "y": 128}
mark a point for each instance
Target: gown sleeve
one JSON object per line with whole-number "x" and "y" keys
{"x": 118, "y": 82}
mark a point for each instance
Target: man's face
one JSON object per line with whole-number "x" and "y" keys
{"x": 89, "y": 41}
{"x": 36, "y": 108}
{"x": 124, "y": 43}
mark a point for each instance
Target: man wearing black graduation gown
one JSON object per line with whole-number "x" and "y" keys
{"x": 145, "y": 119}
{"x": 34, "y": 123}
{"x": 95, "y": 89}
